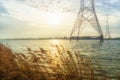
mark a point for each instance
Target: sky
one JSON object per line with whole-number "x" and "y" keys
{"x": 52, "y": 18}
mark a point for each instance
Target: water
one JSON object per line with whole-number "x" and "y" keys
{"x": 106, "y": 54}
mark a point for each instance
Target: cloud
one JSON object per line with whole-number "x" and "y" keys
{"x": 2, "y": 10}
{"x": 113, "y": 1}
{"x": 53, "y": 5}
{"x": 22, "y": 12}
{"x": 34, "y": 13}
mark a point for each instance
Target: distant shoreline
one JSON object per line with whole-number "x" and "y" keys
{"x": 59, "y": 39}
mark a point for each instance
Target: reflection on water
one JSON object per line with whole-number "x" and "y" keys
{"x": 107, "y": 54}
{"x": 55, "y": 42}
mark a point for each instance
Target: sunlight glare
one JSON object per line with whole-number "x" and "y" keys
{"x": 55, "y": 42}
{"x": 53, "y": 19}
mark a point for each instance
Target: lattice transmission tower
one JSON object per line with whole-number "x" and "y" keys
{"x": 87, "y": 14}
{"x": 107, "y": 34}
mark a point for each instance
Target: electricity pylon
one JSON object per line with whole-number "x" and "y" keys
{"x": 107, "y": 34}
{"x": 87, "y": 13}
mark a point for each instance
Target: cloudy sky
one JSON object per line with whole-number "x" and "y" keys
{"x": 52, "y": 18}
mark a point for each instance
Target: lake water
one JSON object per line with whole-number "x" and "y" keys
{"x": 106, "y": 54}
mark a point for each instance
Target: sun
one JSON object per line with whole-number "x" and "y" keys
{"x": 53, "y": 19}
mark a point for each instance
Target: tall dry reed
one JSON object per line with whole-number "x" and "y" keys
{"x": 57, "y": 63}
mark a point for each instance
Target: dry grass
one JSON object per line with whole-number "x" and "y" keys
{"x": 57, "y": 63}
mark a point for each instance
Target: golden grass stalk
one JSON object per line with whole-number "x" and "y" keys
{"x": 60, "y": 64}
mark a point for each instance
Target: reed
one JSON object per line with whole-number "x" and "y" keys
{"x": 57, "y": 63}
